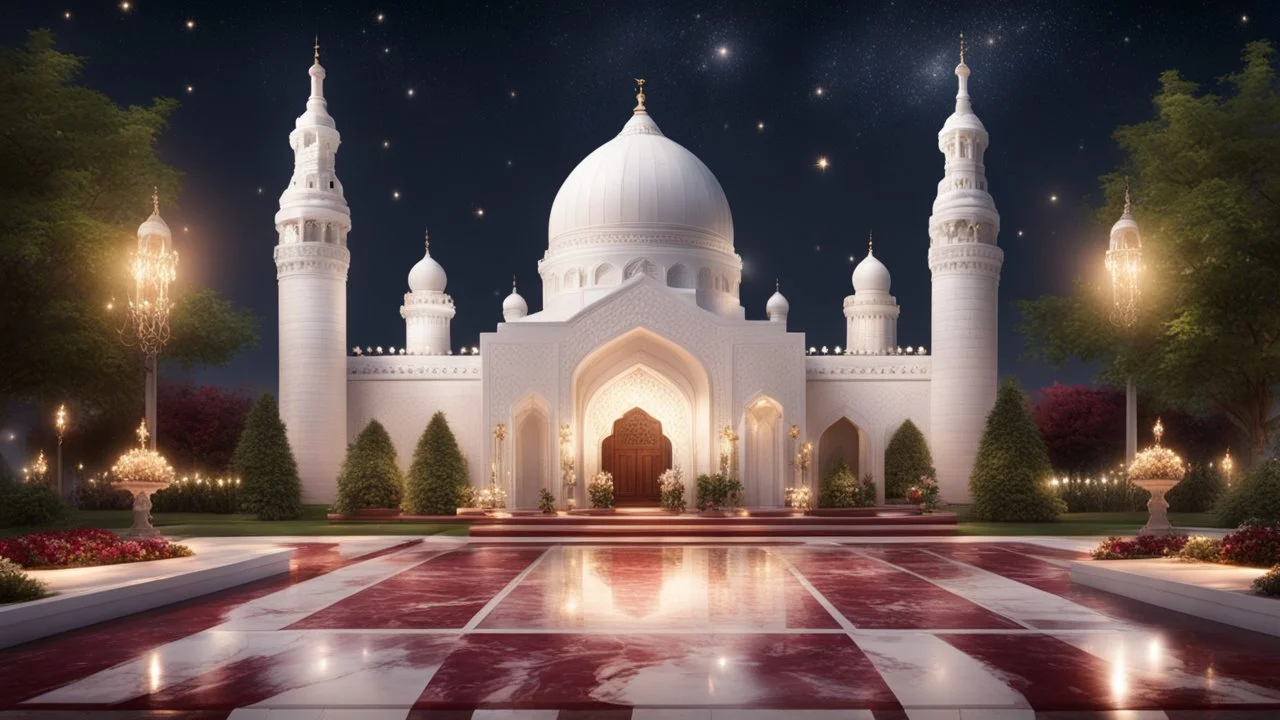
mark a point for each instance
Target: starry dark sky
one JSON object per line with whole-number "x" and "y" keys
{"x": 508, "y": 97}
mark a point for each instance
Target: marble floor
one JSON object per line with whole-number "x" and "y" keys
{"x": 928, "y": 630}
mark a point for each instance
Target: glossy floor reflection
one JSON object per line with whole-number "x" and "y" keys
{"x": 924, "y": 631}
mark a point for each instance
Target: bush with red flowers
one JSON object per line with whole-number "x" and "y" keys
{"x": 83, "y": 547}
{"x": 1268, "y": 584}
{"x": 1254, "y": 544}
{"x": 1142, "y": 546}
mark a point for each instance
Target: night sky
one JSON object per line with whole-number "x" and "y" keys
{"x": 469, "y": 106}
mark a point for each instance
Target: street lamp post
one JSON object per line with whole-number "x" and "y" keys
{"x": 154, "y": 268}
{"x": 1124, "y": 263}
{"x": 60, "y": 427}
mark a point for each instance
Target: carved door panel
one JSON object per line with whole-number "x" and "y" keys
{"x": 636, "y": 454}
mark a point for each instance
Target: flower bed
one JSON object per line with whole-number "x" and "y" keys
{"x": 84, "y": 547}
{"x": 1268, "y": 584}
{"x": 1143, "y": 546}
{"x": 17, "y": 586}
{"x": 1254, "y": 544}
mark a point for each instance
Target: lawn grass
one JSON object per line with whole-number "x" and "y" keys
{"x": 1099, "y": 523}
{"x": 313, "y": 522}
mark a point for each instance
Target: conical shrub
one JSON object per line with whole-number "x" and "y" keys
{"x": 1010, "y": 480}
{"x": 438, "y": 472}
{"x": 906, "y": 460}
{"x": 370, "y": 476}
{"x": 269, "y": 485}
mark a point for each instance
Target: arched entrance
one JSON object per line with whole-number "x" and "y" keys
{"x": 636, "y": 454}
{"x": 840, "y": 441}
{"x": 764, "y": 452}
{"x": 532, "y": 453}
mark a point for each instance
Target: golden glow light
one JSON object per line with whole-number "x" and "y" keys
{"x": 154, "y": 267}
{"x": 1228, "y": 464}
{"x": 823, "y": 163}
{"x": 60, "y": 420}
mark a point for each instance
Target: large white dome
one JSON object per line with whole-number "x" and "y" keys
{"x": 641, "y": 188}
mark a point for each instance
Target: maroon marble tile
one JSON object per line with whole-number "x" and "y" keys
{"x": 1053, "y": 675}
{"x": 659, "y": 588}
{"x": 40, "y": 666}
{"x": 576, "y": 672}
{"x": 875, "y": 596}
{"x": 446, "y": 591}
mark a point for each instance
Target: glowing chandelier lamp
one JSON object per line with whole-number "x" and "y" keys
{"x": 1124, "y": 264}
{"x": 153, "y": 266}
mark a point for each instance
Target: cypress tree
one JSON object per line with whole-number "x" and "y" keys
{"x": 438, "y": 472}
{"x": 269, "y": 485}
{"x": 370, "y": 476}
{"x": 1010, "y": 480}
{"x": 906, "y": 460}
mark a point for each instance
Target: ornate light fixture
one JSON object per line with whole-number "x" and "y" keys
{"x": 1124, "y": 263}
{"x": 154, "y": 267}
{"x": 1228, "y": 465}
{"x": 60, "y": 427}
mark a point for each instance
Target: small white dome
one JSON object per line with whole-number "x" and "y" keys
{"x": 777, "y": 304}
{"x": 427, "y": 275}
{"x": 155, "y": 226}
{"x": 514, "y": 306}
{"x": 870, "y": 275}
{"x": 1125, "y": 233}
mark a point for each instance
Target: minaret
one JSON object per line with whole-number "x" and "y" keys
{"x": 965, "y": 263}
{"x": 427, "y": 309}
{"x": 311, "y": 269}
{"x": 871, "y": 313}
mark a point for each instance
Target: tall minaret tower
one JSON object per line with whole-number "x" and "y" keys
{"x": 965, "y": 262}
{"x": 311, "y": 268}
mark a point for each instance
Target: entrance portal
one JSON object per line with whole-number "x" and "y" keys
{"x": 636, "y": 454}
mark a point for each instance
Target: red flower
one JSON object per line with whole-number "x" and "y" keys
{"x": 84, "y": 546}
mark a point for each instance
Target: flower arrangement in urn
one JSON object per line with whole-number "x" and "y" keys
{"x": 799, "y": 498}
{"x": 142, "y": 472}
{"x": 671, "y": 490}
{"x": 925, "y": 493}
{"x": 1156, "y": 469}
{"x": 600, "y": 490}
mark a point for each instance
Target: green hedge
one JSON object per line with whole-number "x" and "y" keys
{"x": 1198, "y": 491}
{"x": 438, "y": 474}
{"x": 1010, "y": 480}
{"x": 370, "y": 476}
{"x": 30, "y": 503}
{"x": 269, "y": 484}
{"x": 1255, "y": 497}
{"x": 906, "y": 460}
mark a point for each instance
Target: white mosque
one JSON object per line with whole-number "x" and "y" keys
{"x": 642, "y": 356}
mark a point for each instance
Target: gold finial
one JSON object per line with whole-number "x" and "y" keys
{"x": 1158, "y": 431}
{"x": 961, "y": 48}
{"x": 317, "y": 49}
{"x": 640, "y": 95}
{"x": 513, "y": 283}
{"x": 426, "y": 238}
{"x": 155, "y": 200}
{"x": 777, "y": 285}
{"x": 869, "y": 242}
{"x": 1128, "y": 207}
{"x": 142, "y": 433}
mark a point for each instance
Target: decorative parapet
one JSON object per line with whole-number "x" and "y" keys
{"x": 867, "y": 367}
{"x": 414, "y": 367}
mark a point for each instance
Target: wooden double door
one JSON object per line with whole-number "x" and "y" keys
{"x": 636, "y": 454}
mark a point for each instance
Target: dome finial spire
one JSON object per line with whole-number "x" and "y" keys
{"x": 317, "y": 49}
{"x": 962, "y": 47}
{"x": 640, "y": 95}
{"x": 426, "y": 239}
{"x": 513, "y": 282}
{"x": 1128, "y": 206}
{"x": 155, "y": 200}
{"x": 869, "y": 242}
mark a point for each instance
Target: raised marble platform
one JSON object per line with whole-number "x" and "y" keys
{"x": 85, "y": 596}
{"x": 1206, "y": 590}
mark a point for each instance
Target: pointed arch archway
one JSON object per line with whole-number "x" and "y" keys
{"x": 842, "y": 440}
{"x": 765, "y": 456}
{"x": 531, "y": 423}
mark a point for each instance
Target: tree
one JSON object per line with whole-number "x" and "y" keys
{"x": 1082, "y": 426}
{"x": 370, "y": 476}
{"x": 438, "y": 472}
{"x": 906, "y": 460}
{"x": 1207, "y": 194}
{"x": 201, "y": 425}
{"x": 269, "y": 485}
{"x": 1198, "y": 490}
{"x": 1256, "y": 496}
{"x": 1010, "y": 480}
{"x": 76, "y": 174}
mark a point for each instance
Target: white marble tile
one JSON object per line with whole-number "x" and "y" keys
{"x": 747, "y": 714}
{"x": 364, "y": 714}
{"x": 515, "y": 715}
{"x": 670, "y": 714}
{"x": 923, "y": 671}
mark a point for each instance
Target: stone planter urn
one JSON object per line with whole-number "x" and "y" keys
{"x": 142, "y": 471}
{"x": 1157, "y": 507}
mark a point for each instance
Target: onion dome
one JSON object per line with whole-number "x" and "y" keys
{"x": 1125, "y": 233}
{"x": 638, "y": 187}
{"x": 427, "y": 275}
{"x": 514, "y": 307}
{"x": 777, "y": 305}
{"x": 870, "y": 276}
